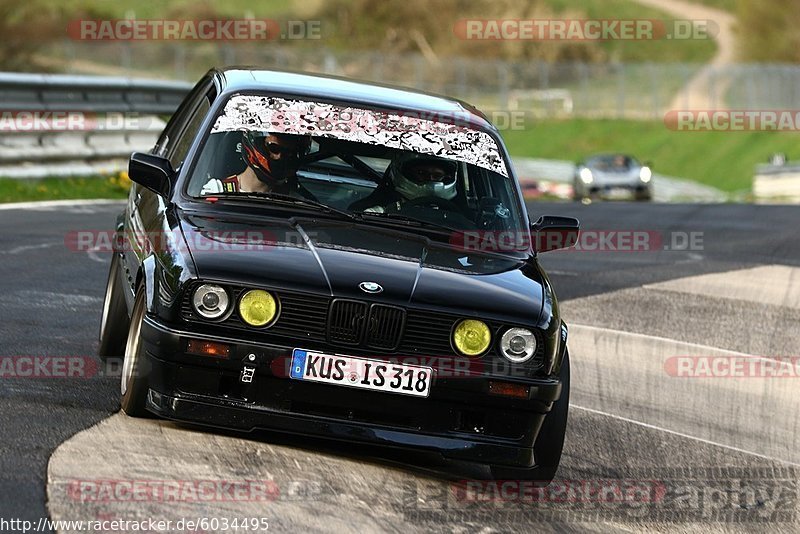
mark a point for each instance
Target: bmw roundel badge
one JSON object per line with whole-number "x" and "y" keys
{"x": 370, "y": 287}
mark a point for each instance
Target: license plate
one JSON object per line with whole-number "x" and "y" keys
{"x": 618, "y": 192}
{"x": 362, "y": 373}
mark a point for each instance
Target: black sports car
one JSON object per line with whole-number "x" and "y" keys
{"x": 330, "y": 258}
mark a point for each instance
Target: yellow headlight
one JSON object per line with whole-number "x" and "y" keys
{"x": 258, "y": 307}
{"x": 472, "y": 337}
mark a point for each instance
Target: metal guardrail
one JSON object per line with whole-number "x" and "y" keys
{"x": 55, "y": 152}
{"x": 89, "y": 93}
{"x": 50, "y": 145}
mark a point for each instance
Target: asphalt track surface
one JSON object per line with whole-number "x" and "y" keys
{"x": 52, "y": 300}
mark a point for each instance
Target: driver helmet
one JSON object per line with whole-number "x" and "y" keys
{"x": 269, "y": 169}
{"x": 419, "y": 175}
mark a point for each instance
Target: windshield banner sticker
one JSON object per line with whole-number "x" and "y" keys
{"x": 393, "y": 130}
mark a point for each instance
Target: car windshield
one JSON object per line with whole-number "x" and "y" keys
{"x": 616, "y": 162}
{"x": 380, "y": 168}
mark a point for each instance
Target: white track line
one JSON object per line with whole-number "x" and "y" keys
{"x": 648, "y": 337}
{"x": 698, "y": 346}
{"x": 23, "y": 248}
{"x": 682, "y": 435}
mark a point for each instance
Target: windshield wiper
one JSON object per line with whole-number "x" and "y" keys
{"x": 409, "y": 221}
{"x": 280, "y": 197}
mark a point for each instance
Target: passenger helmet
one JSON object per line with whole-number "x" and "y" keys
{"x": 419, "y": 175}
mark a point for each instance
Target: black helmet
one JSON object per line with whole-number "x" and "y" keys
{"x": 270, "y": 170}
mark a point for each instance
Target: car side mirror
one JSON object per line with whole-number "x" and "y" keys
{"x": 552, "y": 232}
{"x": 153, "y": 172}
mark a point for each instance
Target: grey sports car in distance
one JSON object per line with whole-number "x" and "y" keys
{"x": 612, "y": 176}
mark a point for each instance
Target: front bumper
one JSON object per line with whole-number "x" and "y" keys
{"x": 612, "y": 190}
{"x": 459, "y": 420}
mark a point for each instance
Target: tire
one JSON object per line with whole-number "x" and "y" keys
{"x": 576, "y": 196}
{"x": 549, "y": 443}
{"x": 114, "y": 322}
{"x": 135, "y": 371}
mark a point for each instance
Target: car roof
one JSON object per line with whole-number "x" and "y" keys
{"x": 335, "y": 88}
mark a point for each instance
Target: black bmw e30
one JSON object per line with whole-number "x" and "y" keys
{"x": 330, "y": 258}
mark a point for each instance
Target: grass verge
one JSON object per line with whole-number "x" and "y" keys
{"x": 13, "y": 190}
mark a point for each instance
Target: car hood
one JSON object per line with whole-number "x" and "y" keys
{"x": 333, "y": 258}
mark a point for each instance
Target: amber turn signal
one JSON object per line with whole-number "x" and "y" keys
{"x": 208, "y": 348}
{"x": 508, "y": 389}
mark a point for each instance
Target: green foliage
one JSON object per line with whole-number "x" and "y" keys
{"x": 726, "y": 5}
{"x": 115, "y": 186}
{"x": 190, "y": 9}
{"x": 767, "y": 30}
{"x": 25, "y": 25}
{"x": 397, "y": 26}
{"x": 406, "y": 27}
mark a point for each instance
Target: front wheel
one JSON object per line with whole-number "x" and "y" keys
{"x": 549, "y": 443}
{"x": 133, "y": 383}
{"x": 577, "y": 194}
{"x": 114, "y": 322}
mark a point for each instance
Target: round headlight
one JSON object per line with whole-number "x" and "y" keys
{"x": 210, "y": 301}
{"x": 258, "y": 308}
{"x": 586, "y": 175}
{"x": 472, "y": 337}
{"x": 518, "y": 344}
{"x": 645, "y": 174}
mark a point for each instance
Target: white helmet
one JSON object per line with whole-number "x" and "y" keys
{"x": 418, "y": 175}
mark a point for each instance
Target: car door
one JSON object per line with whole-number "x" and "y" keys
{"x": 146, "y": 227}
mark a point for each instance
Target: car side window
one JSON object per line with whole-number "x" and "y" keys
{"x": 183, "y": 142}
{"x": 185, "y": 113}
